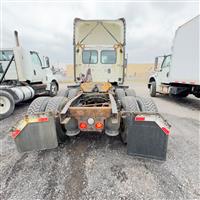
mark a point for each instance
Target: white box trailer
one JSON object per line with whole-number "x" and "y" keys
{"x": 179, "y": 74}
{"x": 185, "y": 57}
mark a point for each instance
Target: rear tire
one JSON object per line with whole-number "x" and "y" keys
{"x": 146, "y": 104}
{"x": 63, "y": 93}
{"x": 152, "y": 89}
{"x": 7, "y": 104}
{"x": 38, "y": 105}
{"x": 120, "y": 93}
{"x": 130, "y": 92}
{"x": 129, "y": 103}
{"x": 56, "y": 104}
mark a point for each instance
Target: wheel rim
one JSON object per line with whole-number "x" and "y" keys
{"x": 5, "y": 105}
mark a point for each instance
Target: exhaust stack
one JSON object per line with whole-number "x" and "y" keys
{"x": 16, "y": 38}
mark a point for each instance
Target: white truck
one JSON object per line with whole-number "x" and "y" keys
{"x": 98, "y": 102}
{"x": 23, "y": 75}
{"x": 178, "y": 74}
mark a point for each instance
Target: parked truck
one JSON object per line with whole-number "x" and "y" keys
{"x": 98, "y": 102}
{"x": 23, "y": 75}
{"x": 178, "y": 74}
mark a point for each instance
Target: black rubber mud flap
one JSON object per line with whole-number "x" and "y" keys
{"x": 36, "y": 135}
{"x": 146, "y": 139}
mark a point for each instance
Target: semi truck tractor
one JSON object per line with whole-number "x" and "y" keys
{"x": 178, "y": 74}
{"x": 23, "y": 75}
{"x": 98, "y": 101}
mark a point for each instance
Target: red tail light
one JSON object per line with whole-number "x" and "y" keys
{"x": 43, "y": 119}
{"x": 83, "y": 125}
{"x": 139, "y": 118}
{"x": 165, "y": 130}
{"x": 15, "y": 133}
{"x": 99, "y": 125}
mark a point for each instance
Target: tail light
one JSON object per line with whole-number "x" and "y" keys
{"x": 83, "y": 125}
{"x": 15, "y": 133}
{"x": 99, "y": 125}
{"x": 139, "y": 118}
{"x": 165, "y": 130}
{"x": 43, "y": 119}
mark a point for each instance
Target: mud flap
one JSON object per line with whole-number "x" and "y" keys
{"x": 146, "y": 139}
{"x": 35, "y": 133}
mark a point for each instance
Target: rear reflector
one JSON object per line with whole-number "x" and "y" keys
{"x": 99, "y": 125}
{"x": 43, "y": 119}
{"x": 83, "y": 125}
{"x": 139, "y": 118}
{"x": 15, "y": 133}
{"x": 165, "y": 130}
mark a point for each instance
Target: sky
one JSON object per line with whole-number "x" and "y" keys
{"x": 47, "y": 26}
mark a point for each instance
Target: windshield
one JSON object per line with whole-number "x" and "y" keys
{"x": 6, "y": 55}
{"x": 90, "y": 56}
{"x": 108, "y": 57}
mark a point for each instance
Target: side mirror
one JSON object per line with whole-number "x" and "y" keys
{"x": 47, "y": 63}
{"x": 156, "y": 63}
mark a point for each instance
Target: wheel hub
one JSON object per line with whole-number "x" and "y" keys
{"x": 53, "y": 89}
{"x": 4, "y": 104}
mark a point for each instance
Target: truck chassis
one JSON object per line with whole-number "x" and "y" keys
{"x": 94, "y": 107}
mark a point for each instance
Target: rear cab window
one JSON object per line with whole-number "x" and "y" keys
{"x": 108, "y": 57}
{"x": 90, "y": 57}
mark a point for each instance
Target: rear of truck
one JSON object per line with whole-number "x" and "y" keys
{"x": 99, "y": 50}
{"x": 98, "y": 102}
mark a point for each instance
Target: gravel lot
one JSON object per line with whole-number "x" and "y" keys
{"x": 93, "y": 166}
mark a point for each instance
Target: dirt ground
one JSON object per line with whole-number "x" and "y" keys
{"x": 95, "y": 166}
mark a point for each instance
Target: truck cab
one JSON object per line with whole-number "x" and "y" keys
{"x": 23, "y": 75}
{"x": 160, "y": 74}
{"x": 27, "y": 66}
{"x": 99, "y": 52}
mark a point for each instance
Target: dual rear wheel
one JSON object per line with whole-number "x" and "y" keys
{"x": 48, "y": 104}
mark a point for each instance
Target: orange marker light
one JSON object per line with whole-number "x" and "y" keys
{"x": 83, "y": 125}
{"x": 99, "y": 125}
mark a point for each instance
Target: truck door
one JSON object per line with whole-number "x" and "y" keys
{"x": 164, "y": 71}
{"x": 38, "y": 73}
